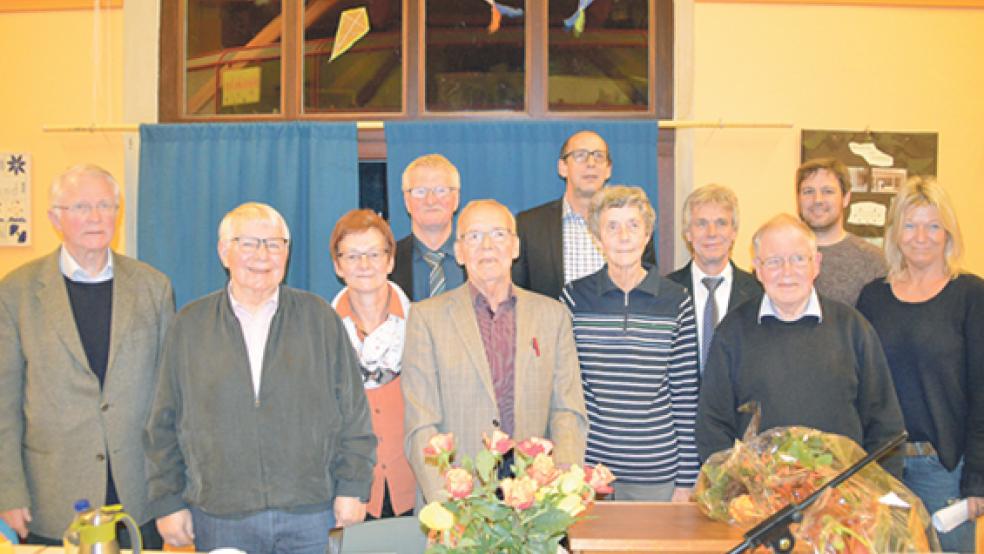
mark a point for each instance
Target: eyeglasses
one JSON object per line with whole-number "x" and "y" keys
{"x": 798, "y": 261}
{"x": 374, "y": 256}
{"x": 474, "y": 238}
{"x": 421, "y": 192}
{"x": 275, "y": 245}
{"x": 581, "y": 155}
{"x": 84, "y": 209}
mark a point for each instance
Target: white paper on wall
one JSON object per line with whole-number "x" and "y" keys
{"x": 15, "y": 199}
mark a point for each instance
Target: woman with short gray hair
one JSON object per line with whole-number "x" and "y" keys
{"x": 637, "y": 344}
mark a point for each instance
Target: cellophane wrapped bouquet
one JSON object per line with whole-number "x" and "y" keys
{"x": 870, "y": 512}
{"x": 528, "y": 512}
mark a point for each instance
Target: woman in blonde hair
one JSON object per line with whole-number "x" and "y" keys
{"x": 930, "y": 318}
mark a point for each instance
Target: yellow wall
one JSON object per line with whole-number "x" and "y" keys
{"x": 833, "y": 67}
{"x": 49, "y": 79}
{"x": 836, "y": 67}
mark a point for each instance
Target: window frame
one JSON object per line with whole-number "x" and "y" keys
{"x": 173, "y": 43}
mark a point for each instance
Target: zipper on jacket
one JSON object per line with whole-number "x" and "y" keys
{"x": 625, "y": 314}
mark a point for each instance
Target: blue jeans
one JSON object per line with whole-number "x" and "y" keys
{"x": 937, "y": 487}
{"x": 266, "y": 532}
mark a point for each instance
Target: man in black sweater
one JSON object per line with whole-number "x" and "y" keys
{"x": 807, "y": 360}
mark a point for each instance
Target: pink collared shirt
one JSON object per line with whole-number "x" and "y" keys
{"x": 256, "y": 329}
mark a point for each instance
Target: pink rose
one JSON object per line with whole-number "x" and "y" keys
{"x": 542, "y": 470}
{"x": 499, "y": 443}
{"x": 599, "y": 478}
{"x": 458, "y": 483}
{"x": 519, "y": 493}
{"x": 439, "y": 444}
{"x": 534, "y": 445}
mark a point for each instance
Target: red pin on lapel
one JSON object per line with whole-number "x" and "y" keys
{"x": 536, "y": 347}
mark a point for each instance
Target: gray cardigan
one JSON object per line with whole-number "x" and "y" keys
{"x": 307, "y": 437}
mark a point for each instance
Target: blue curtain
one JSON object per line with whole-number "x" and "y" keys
{"x": 515, "y": 162}
{"x": 192, "y": 175}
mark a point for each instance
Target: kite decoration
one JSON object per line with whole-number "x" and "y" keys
{"x": 499, "y": 10}
{"x": 576, "y": 21}
{"x": 352, "y": 26}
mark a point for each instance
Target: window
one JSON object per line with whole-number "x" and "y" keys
{"x": 603, "y": 66}
{"x": 346, "y": 70}
{"x": 474, "y": 61}
{"x": 409, "y": 59}
{"x": 233, "y": 58}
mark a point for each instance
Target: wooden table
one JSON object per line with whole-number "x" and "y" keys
{"x": 650, "y": 527}
{"x": 39, "y": 549}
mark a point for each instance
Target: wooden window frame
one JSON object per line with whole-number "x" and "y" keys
{"x": 172, "y": 74}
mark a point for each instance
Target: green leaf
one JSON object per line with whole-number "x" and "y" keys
{"x": 484, "y": 465}
{"x": 552, "y": 521}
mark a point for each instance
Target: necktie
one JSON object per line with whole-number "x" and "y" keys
{"x": 436, "y": 280}
{"x": 710, "y": 316}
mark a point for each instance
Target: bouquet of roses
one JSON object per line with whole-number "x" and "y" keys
{"x": 870, "y": 512}
{"x": 526, "y": 513}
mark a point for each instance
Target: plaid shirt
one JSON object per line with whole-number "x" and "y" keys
{"x": 582, "y": 254}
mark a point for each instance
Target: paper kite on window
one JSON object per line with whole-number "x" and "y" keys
{"x": 575, "y": 22}
{"x": 352, "y": 26}
{"x": 499, "y": 10}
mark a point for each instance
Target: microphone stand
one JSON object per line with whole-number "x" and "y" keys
{"x": 774, "y": 533}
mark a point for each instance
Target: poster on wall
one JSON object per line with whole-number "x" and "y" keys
{"x": 878, "y": 163}
{"x": 15, "y": 199}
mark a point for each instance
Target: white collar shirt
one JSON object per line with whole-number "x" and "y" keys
{"x": 721, "y": 295}
{"x": 582, "y": 254}
{"x": 70, "y": 268}
{"x": 256, "y": 330}
{"x": 767, "y": 309}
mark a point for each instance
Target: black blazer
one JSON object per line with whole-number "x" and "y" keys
{"x": 403, "y": 266}
{"x": 743, "y": 288}
{"x": 540, "y": 266}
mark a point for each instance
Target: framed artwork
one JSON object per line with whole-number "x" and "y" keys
{"x": 878, "y": 164}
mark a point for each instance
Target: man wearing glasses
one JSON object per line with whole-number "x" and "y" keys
{"x": 490, "y": 355}
{"x": 259, "y": 435}
{"x": 80, "y": 335}
{"x": 555, "y": 244}
{"x": 806, "y": 360}
{"x": 425, "y": 264}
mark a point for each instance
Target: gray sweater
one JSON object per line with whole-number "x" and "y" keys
{"x": 214, "y": 445}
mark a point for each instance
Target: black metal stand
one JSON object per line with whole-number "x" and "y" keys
{"x": 774, "y": 532}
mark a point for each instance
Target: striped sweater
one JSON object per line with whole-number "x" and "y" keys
{"x": 638, "y": 354}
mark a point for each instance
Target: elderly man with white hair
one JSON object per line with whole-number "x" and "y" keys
{"x": 80, "y": 334}
{"x": 259, "y": 436}
{"x": 806, "y": 359}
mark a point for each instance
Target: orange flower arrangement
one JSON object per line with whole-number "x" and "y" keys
{"x": 526, "y": 513}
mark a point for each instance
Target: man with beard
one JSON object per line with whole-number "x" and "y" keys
{"x": 849, "y": 262}
{"x": 555, "y": 244}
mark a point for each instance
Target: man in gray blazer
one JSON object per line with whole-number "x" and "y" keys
{"x": 80, "y": 333}
{"x": 710, "y": 225}
{"x": 490, "y": 355}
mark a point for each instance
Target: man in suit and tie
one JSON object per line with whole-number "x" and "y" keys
{"x": 424, "y": 262}
{"x": 556, "y": 246}
{"x": 710, "y": 225}
{"x": 490, "y": 355}
{"x": 80, "y": 334}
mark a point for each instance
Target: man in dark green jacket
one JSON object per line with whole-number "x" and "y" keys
{"x": 260, "y": 435}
